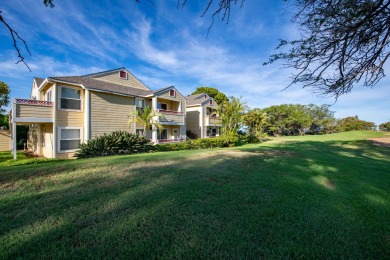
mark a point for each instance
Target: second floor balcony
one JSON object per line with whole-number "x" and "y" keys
{"x": 213, "y": 120}
{"x": 32, "y": 111}
{"x": 170, "y": 117}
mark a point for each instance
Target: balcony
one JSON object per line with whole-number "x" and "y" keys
{"x": 170, "y": 117}
{"x": 32, "y": 111}
{"x": 213, "y": 120}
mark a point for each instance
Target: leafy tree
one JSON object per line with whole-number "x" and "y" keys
{"x": 4, "y": 96}
{"x": 218, "y": 96}
{"x": 287, "y": 119}
{"x": 353, "y": 123}
{"x": 385, "y": 127}
{"x": 256, "y": 120}
{"x": 323, "y": 120}
{"x": 342, "y": 43}
{"x": 232, "y": 115}
{"x": 146, "y": 118}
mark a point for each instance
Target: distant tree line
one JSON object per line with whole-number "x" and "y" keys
{"x": 297, "y": 119}
{"x": 285, "y": 119}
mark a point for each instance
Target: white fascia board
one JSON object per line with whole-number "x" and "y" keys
{"x": 33, "y": 120}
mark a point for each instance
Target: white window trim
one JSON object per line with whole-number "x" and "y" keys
{"x": 59, "y": 129}
{"x": 50, "y": 90}
{"x": 174, "y": 93}
{"x": 127, "y": 74}
{"x": 138, "y": 128}
{"x": 69, "y": 109}
{"x": 140, "y": 99}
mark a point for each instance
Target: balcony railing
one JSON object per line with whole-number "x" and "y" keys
{"x": 33, "y": 111}
{"x": 171, "y": 117}
{"x": 213, "y": 120}
{"x": 34, "y": 102}
{"x": 170, "y": 112}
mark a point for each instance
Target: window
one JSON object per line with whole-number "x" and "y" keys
{"x": 123, "y": 74}
{"x": 69, "y": 139}
{"x": 139, "y": 131}
{"x": 211, "y": 102}
{"x": 140, "y": 105}
{"x": 172, "y": 93}
{"x": 205, "y": 96}
{"x": 162, "y": 135}
{"x": 162, "y": 106}
{"x": 48, "y": 96}
{"x": 70, "y": 98}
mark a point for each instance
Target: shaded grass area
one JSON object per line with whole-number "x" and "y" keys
{"x": 7, "y": 159}
{"x": 306, "y": 198}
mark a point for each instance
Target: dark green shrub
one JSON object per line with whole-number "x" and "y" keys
{"x": 250, "y": 139}
{"x": 201, "y": 143}
{"x": 119, "y": 142}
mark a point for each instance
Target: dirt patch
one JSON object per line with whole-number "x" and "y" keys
{"x": 383, "y": 141}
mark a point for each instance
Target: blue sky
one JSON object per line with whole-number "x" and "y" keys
{"x": 166, "y": 46}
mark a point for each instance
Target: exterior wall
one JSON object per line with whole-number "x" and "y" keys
{"x": 169, "y": 118}
{"x": 148, "y": 103}
{"x": 193, "y": 120}
{"x": 34, "y": 91}
{"x": 171, "y": 131}
{"x": 179, "y": 98}
{"x": 24, "y": 110}
{"x": 110, "y": 113}
{"x": 5, "y": 140}
{"x": 113, "y": 77}
{"x": 47, "y": 140}
{"x": 68, "y": 118}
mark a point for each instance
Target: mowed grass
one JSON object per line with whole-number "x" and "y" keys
{"x": 294, "y": 197}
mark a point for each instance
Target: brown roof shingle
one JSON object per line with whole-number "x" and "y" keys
{"x": 98, "y": 85}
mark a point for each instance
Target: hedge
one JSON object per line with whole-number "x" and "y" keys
{"x": 201, "y": 143}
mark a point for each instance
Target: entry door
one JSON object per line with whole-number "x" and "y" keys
{"x": 176, "y": 132}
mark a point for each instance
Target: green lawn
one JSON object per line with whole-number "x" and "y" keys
{"x": 294, "y": 197}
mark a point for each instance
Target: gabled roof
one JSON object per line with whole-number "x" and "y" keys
{"x": 98, "y": 85}
{"x": 198, "y": 99}
{"x": 38, "y": 81}
{"x": 91, "y": 82}
{"x": 167, "y": 88}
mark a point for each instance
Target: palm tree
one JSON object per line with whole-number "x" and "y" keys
{"x": 256, "y": 119}
{"x": 146, "y": 117}
{"x": 232, "y": 114}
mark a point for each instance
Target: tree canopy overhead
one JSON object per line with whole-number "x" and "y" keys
{"x": 343, "y": 42}
{"x": 218, "y": 96}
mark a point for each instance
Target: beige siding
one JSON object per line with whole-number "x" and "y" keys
{"x": 178, "y": 98}
{"x": 23, "y": 110}
{"x": 113, "y": 77}
{"x": 192, "y": 121}
{"x": 5, "y": 140}
{"x": 69, "y": 118}
{"x": 167, "y": 118}
{"x": 110, "y": 113}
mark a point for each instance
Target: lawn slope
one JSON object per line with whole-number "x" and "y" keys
{"x": 307, "y": 197}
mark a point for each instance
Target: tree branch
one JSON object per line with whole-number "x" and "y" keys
{"x": 15, "y": 37}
